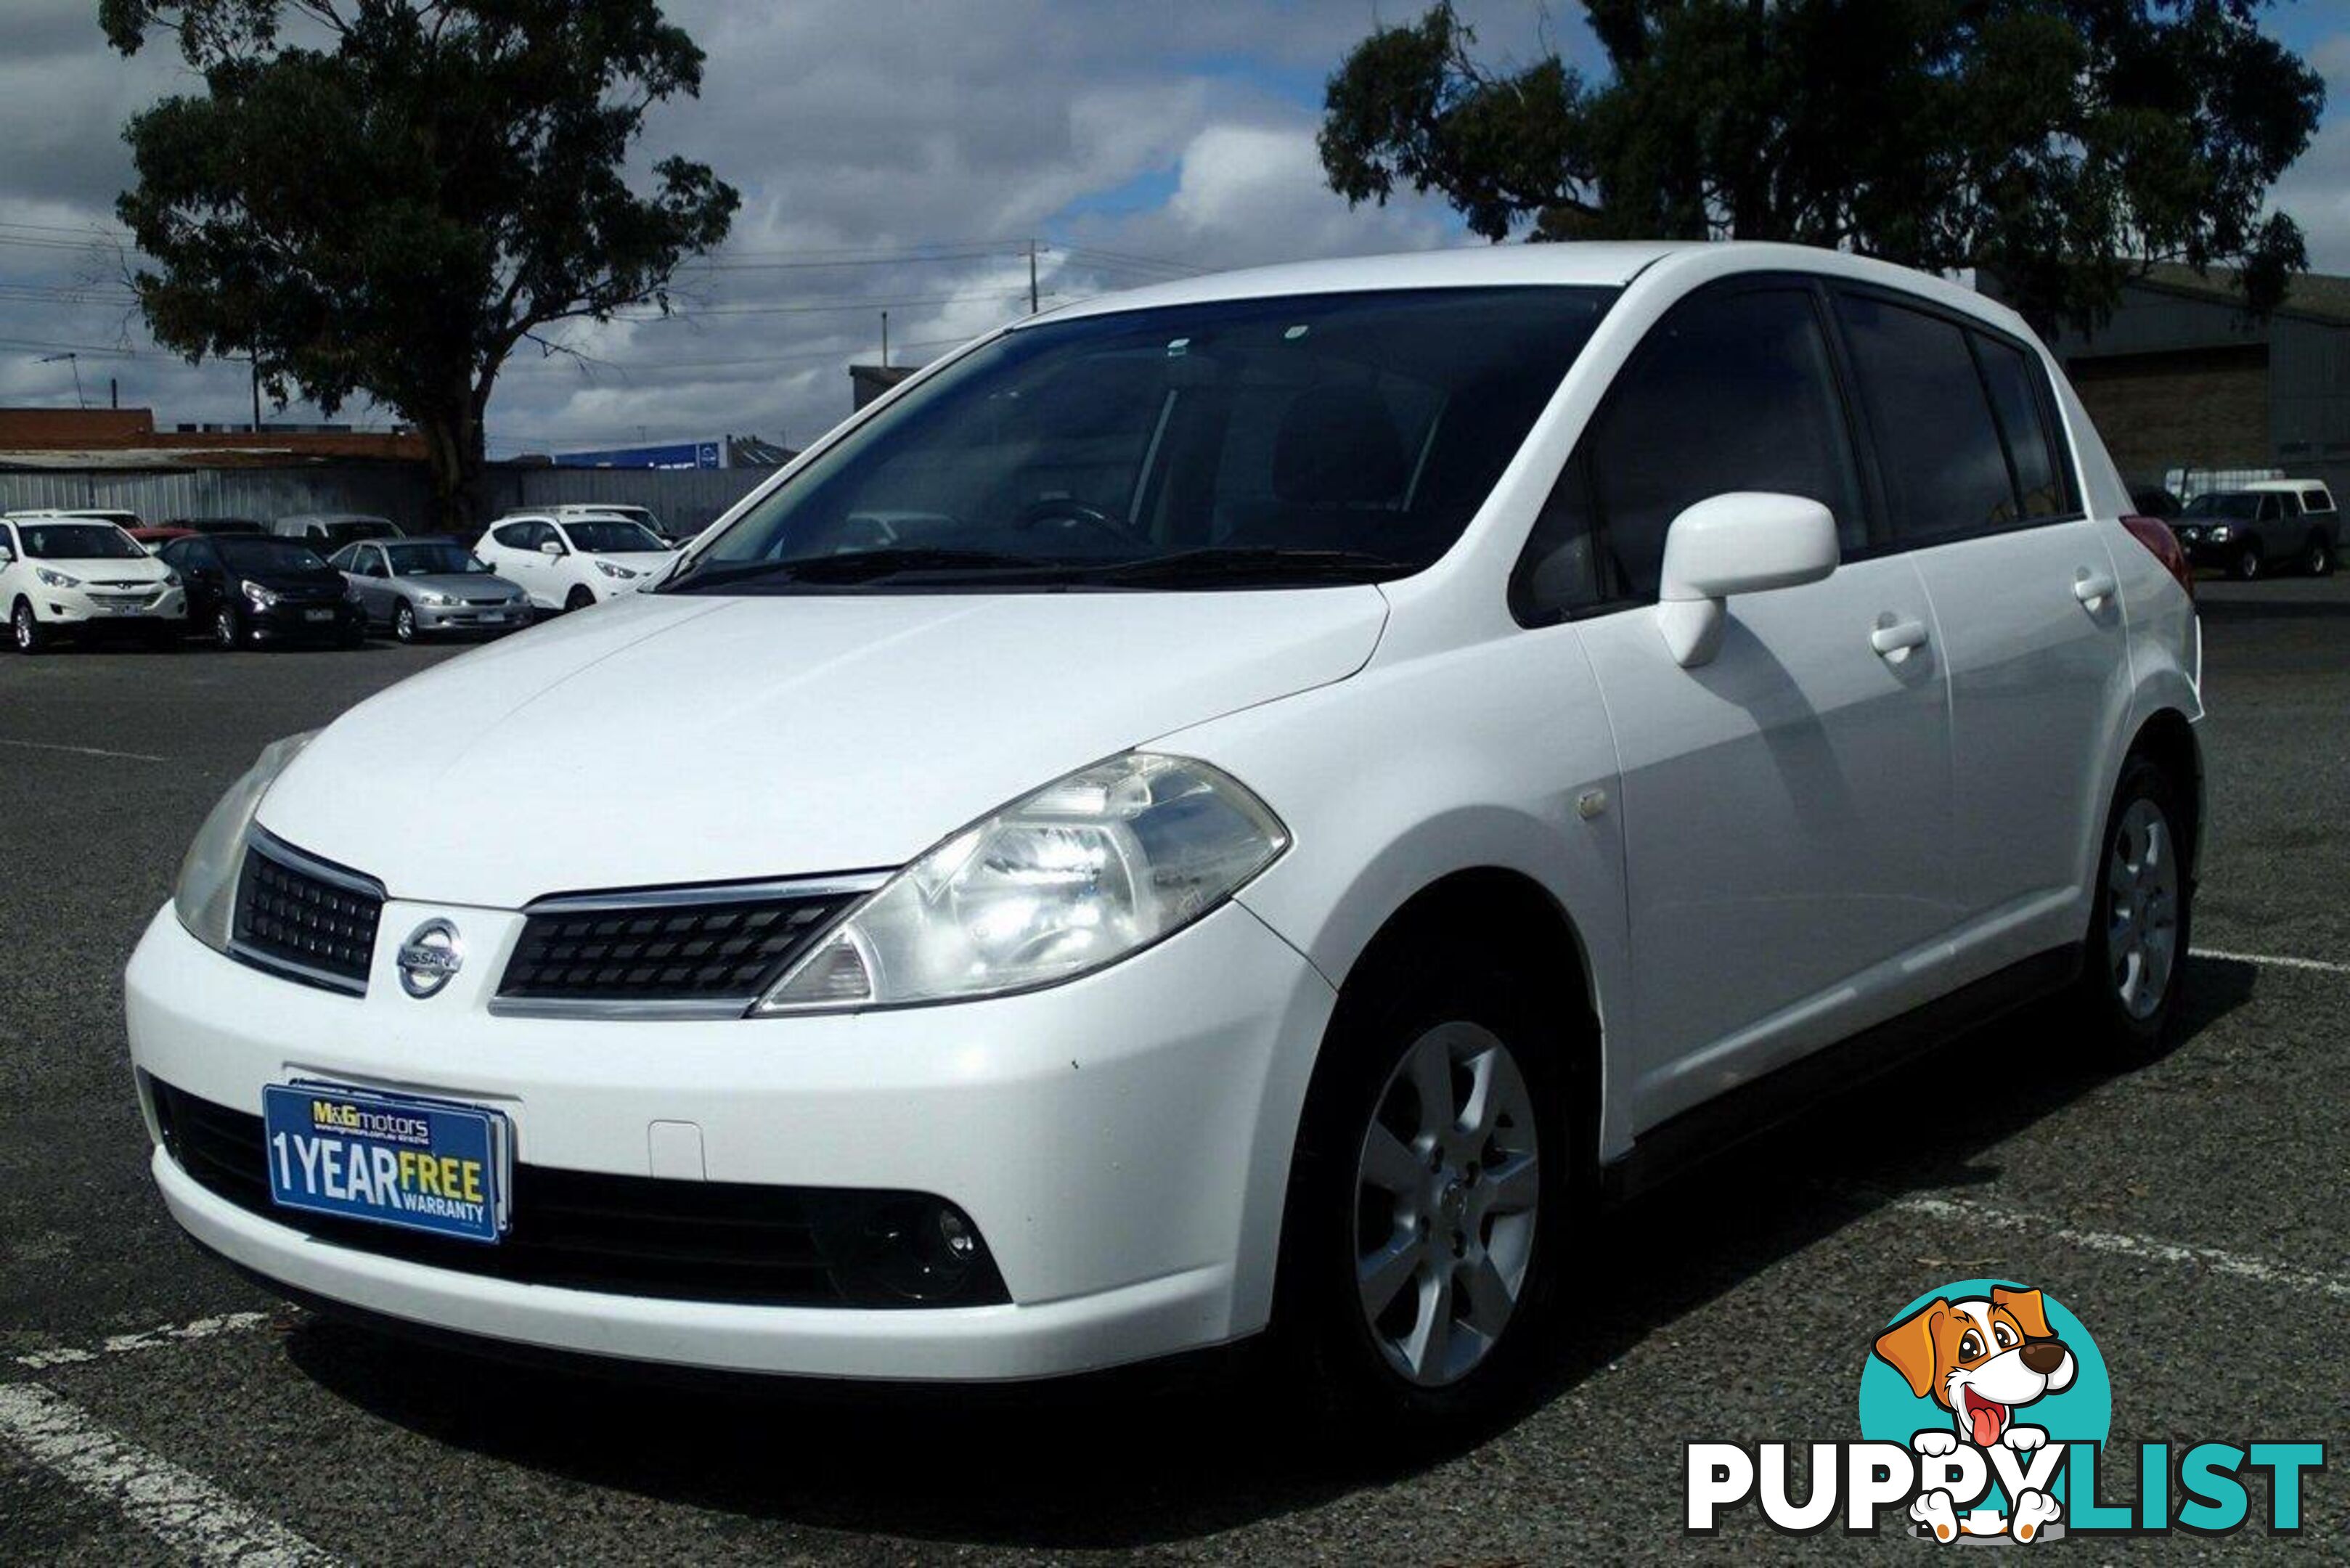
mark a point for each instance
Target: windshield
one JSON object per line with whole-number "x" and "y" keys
{"x": 1322, "y": 438}
{"x": 610, "y": 535}
{"x": 2238, "y": 503}
{"x": 79, "y": 542}
{"x": 243, "y": 555}
{"x": 430, "y": 558}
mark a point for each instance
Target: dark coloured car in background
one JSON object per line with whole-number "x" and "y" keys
{"x": 219, "y": 526}
{"x": 252, "y": 592}
{"x": 2271, "y": 524}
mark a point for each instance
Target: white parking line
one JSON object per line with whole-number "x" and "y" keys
{"x": 2273, "y": 960}
{"x": 194, "y": 1519}
{"x": 2212, "y": 1257}
{"x": 145, "y": 1339}
{"x": 85, "y": 750}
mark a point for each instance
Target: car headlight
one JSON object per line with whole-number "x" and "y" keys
{"x": 1084, "y": 872}
{"x": 170, "y": 579}
{"x": 205, "y": 895}
{"x": 2221, "y": 533}
{"x": 2190, "y": 534}
{"x": 427, "y": 597}
{"x": 56, "y": 579}
{"x": 261, "y": 597}
{"x": 612, "y": 570}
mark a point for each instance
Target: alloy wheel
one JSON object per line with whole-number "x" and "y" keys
{"x": 224, "y": 627}
{"x": 27, "y": 634}
{"x": 403, "y": 624}
{"x": 2142, "y": 909}
{"x": 1447, "y": 1192}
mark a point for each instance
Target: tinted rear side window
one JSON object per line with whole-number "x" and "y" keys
{"x": 1945, "y": 468}
{"x": 1731, "y": 391}
{"x": 2015, "y": 397}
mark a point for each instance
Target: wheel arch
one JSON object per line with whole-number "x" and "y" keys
{"x": 2167, "y": 738}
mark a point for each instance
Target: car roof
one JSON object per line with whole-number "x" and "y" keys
{"x": 2284, "y": 484}
{"x": 1605, "y": 263}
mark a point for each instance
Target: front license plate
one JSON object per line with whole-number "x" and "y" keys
{"x": 318, "y": 615}
{"x": 423, "y": 1164}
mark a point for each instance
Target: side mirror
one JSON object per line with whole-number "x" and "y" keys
{"x": 1746, "y": 542}
{"x": 551, "y": 547}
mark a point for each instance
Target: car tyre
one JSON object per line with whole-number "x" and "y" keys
{"x": 2318, "y": 560}
{"x": 580, "y": 598}
{"x": 403, "y": 621}
{"x": 228, "y": 628}
{"x": 2142, "y": 918}
{"x": 2246, "y": 566}
{"x": 1453, "y": 1237}
{"x": 24, "y": 628}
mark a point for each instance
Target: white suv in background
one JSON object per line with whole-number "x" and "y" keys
{"x": 1231, "y": 806}
{"x": 568, "y": 560}
{"x": 64, "y": 573}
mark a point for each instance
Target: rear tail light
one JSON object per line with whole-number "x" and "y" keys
{"x": 2156, "y": 535}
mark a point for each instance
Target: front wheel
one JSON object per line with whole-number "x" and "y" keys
{"x": 1426, "y": 1202}
{"x": 2142, "y": 915}
{"x": 581, "y": 597}
{"x": 2247, "y": 564}
{"x": 228, "y": 632}
{"x": 403, "y": 621}
{"x": 24, "y": 628}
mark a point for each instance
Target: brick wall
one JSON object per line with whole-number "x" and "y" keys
{"x": 2199, "y": 407}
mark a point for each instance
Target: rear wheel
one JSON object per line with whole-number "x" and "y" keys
{"x": 403, "y": 621}
{"x": 24, "y": 628}
{"x": 2317, "y": 560}
{"x": 2247, "y": 564}
{"x": 1426, "y": 1199}
{"x": 2141, "y": 920}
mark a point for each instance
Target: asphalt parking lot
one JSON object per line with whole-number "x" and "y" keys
{"x": 2193, "y": 1211}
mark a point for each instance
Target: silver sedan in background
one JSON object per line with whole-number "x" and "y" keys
{"x": 420, "y": 587}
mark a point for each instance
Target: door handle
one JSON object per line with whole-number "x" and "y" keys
{"x": 2091, "y": 588}
{"x": 1896, "y": 638}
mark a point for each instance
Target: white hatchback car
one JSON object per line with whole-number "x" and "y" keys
{"x": 65, "y": 574}
{"x": 1223, "y": 806}
{"x": 568, "y": 561}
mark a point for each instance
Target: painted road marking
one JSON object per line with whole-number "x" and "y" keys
{"x": 2273, "y": 960}
{"x": 85, "y": 750}
{"x": 194, "y": 1518}
{"x": 145, "y": 1339}
{"x": 2212, "y": 1257}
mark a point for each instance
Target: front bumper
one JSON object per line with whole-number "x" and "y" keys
{"x": 472, "y": 618}
{"x": 289, "y": 620}
{"x": 1121, "y": 1142}
{"x": 80, "y": 608}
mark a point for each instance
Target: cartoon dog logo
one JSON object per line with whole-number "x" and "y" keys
{"x": 1981, "y": 1358}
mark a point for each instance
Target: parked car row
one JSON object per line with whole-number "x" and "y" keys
{"x": 247, "y": 584}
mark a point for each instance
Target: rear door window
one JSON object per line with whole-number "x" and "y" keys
{"x": 1944, "y": 465}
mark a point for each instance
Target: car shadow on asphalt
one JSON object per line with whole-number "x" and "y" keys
{"x": 1170, "y": 1454}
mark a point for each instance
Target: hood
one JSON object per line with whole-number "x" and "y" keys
{"x": 289, "y": 581}
{"x": 139, "y": 568}
{"x": 458, "y": 585}
{"x": 673, "y": 739}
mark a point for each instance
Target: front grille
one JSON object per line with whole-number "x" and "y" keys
{"x": 633, "y": 1235}
{"x": 687, "y": 950}
{"x": 304, "y": 918}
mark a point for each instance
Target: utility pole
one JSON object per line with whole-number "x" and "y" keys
{"x": 1032, "y": 277}
{"x": 255, "y": 361}
{"x": 885, "y": 341}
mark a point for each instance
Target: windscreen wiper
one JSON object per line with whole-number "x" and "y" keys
{"x": 1227, "y": 562}
{"x": 852, "y": 566}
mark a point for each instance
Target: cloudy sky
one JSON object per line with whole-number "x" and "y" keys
{"x": 895, "y": 154}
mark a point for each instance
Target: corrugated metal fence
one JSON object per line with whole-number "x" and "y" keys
{"x": 683, "y": 499}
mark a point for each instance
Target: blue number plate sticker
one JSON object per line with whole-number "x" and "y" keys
{"x": 423, "y": 1164}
